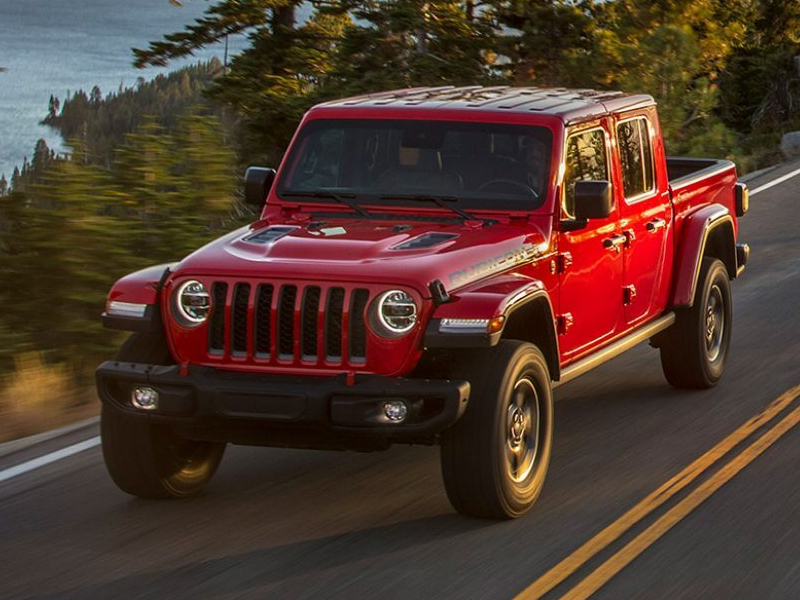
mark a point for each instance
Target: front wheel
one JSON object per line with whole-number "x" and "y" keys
{"x": 147, "y": 459}
{"x": 494, "y": 460}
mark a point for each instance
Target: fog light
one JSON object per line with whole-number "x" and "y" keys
{"x": 395, "y": 410}
{"x": 145, "y": 398}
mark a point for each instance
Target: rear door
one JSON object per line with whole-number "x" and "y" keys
{"x": 591, "y": 273}
{"x": 645, "y": 217}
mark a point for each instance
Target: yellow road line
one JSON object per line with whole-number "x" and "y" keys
{"x": 612, "y": 532}
{"x": 644, "y": 540}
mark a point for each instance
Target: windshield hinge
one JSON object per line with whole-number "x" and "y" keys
{"x": 439, "y": 293}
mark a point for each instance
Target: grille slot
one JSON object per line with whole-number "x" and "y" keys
{"x": 216, "y": 326}
{"x": 310, "y": 311}
{"x": 358, "y": 326}
{"x": 263, "y": 321}
{"x": 239, "y": 328}
{"x": 333, "y": 325}
{"x": 286, "y": 321}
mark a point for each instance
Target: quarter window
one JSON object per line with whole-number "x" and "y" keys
{"x": 636, "y": 156}
{"x": 585, "y": 160}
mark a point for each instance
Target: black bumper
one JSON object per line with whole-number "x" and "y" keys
{"x": 277, "y": 410}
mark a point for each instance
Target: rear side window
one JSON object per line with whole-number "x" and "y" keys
{"x": 636, "y": 157}
{"x": 586, "y": 160}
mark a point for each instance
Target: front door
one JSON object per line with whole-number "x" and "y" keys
{"x": 645, "y": 219}
{"x": 590, "y": 259}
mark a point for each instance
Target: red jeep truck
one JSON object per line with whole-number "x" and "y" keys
{"x": 427, "y": 266}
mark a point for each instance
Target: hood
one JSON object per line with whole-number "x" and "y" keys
{"x": 409, "y": 253}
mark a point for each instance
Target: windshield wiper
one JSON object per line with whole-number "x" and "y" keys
{"x": 442, "y": 201}
{"x": 340, "y": 198}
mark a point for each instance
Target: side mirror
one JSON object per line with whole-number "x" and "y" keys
{"x": 593, "y": 200}
{"x": 257, "y": 183}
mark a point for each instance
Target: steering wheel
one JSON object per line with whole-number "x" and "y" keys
{"x": 501, "y": 186}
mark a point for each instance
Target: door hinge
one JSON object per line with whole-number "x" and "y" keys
{"x": 630, "y": 236}
{"x": 563, "y": 261}
{"x": 628, "y": 294}
{"x": 564, "y": 323}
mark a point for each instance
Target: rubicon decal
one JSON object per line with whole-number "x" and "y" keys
{"x": 501, "y": 262}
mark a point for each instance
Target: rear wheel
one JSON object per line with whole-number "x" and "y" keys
{"x": 494, "y": 460}
{"x": 148, "y": 459}
{"x": 695, "y": 349}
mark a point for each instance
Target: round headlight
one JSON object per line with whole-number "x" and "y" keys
{"x": 192, "y": 303}
{"x": 395, "y": 312}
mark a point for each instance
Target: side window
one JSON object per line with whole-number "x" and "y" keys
{"x": 636, "y": 157}
{"x": 586, "y": 160}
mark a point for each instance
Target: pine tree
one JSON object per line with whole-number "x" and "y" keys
{"x": 760, "y": 88}
{"x": 548, "y": 42}
{"x": 402, "y": 43}
{"x": 53, "y": 107}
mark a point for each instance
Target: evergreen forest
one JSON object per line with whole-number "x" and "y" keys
{"x": 155, "y": 170}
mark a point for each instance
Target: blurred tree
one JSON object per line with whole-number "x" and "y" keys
{"x": 547, "y": 42}
{"x": 402, "y": 43}
{"x": 346, "y": 46}
{"x": 77, "y": 227}
{"x": 675, "y": 50}
{"x": 101, "y": 123}
{"x": 267, "y": 81}
{"x": 760, "y": 88}
{"x": 53, "y": 107}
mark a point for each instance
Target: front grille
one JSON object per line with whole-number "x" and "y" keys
{"x": 287, "y": 323}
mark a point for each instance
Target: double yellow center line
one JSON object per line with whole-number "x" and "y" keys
{"x": 646, "y": 538}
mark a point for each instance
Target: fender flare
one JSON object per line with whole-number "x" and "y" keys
{"x": 502, "y": 298}
{"x": 697, "y": 230}
{"x": 139, "y": 289}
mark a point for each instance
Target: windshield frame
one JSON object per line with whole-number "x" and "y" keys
{"x": 515, "y": 120}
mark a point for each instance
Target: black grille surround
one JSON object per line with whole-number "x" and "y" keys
{"x": 288, "y": 323}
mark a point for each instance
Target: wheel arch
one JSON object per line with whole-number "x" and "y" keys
{"x": 138, "y": 291}
{"x": 532, "y": 321}
{"x": 707, "y": 232}
{"x": 520, "y": 304}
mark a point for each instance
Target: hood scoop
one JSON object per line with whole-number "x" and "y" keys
{"x": 426, "y": 240}
{"x": 269, "y": 235}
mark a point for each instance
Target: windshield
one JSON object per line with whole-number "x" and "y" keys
{"x": 478, "y": 165}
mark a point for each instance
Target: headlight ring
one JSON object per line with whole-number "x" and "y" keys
{"x": 192, "y": 303}
{"x": 394, "y": 313}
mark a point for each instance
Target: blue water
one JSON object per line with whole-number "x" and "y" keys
{"x": 55, "y": 46}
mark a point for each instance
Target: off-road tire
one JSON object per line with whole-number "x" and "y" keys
{"x": 149, "y": 459}
{"x": 695, "y": 349}
{"x": 477, "y": 452}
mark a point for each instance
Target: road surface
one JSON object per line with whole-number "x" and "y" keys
{"x": 652, "y": 492}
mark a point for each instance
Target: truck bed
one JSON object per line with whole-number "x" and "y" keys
{"x": 682, "y": 169}
{"x": 695, "y": 182}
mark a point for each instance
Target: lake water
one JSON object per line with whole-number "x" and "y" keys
{"x": 54, "y": 46}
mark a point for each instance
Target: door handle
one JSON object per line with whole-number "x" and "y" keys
{"x": 614, "y": 242}
{"x": 655, "y": 225}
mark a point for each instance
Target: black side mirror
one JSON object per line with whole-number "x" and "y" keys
{"x": 257, "y": 183}
{"x": 593, "y": 200}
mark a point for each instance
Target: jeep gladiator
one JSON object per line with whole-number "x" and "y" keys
{"x": 427, "y": 266}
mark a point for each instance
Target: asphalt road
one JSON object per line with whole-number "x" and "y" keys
{"x": 303, "y": 524}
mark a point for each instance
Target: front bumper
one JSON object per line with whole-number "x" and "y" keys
{"x": 276, "y": 410}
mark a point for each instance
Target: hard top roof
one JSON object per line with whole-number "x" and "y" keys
{"x": 569, "y": 104}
